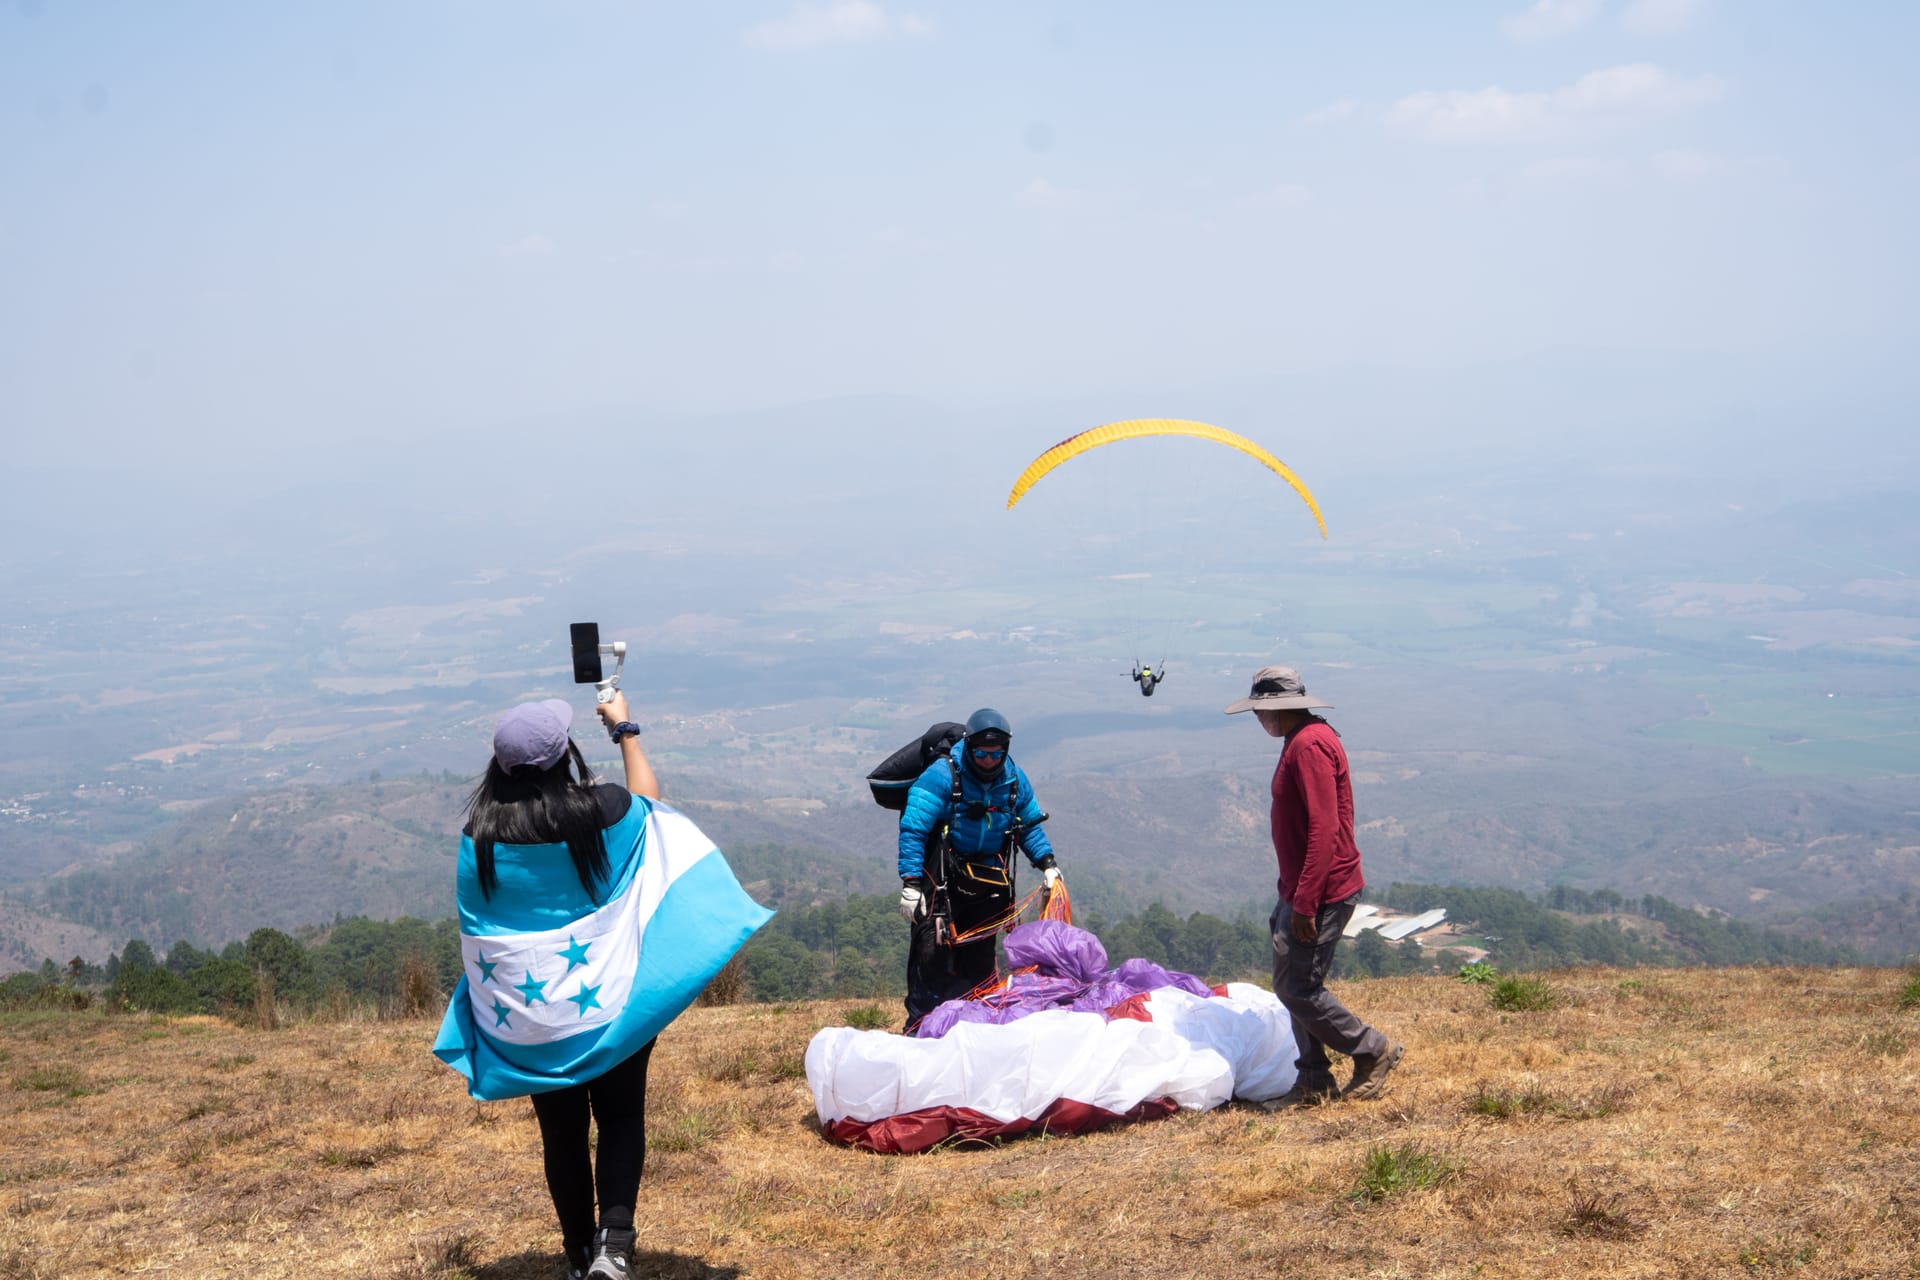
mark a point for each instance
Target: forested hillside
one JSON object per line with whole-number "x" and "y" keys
{"x": 283, "y": 859}
{"x": 856, "y": 947}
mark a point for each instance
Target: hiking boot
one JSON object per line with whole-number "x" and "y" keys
{"x": 612, "y": 1255}
{"x": 1370, "y": 1071}
{"x": 1309, "y": 1090}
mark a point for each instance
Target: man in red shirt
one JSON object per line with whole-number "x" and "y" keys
{"x": 1320, "y": 882}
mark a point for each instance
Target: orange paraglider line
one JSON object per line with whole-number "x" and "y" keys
{"x": 996, "y": 984}
{"x": 1006, "y": 919}
{"x": 1056, "y": 907}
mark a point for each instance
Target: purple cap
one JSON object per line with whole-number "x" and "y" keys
{"x": 533, "y": 733}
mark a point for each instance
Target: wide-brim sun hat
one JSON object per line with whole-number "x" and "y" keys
{"x": 1277, "y": 689}
{"x": 533, "y": 734}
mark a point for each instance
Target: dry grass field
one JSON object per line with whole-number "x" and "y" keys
{"x": 1655, "y": 1123}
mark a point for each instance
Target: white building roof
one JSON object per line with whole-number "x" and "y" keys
{"x": 1399, "y": 929}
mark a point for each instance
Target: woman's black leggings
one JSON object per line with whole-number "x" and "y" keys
{"x": 618, "y": 1102}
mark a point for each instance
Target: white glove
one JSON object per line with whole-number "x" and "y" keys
{"x": 910, "y": 903}
{"x": 1050, "y": 877}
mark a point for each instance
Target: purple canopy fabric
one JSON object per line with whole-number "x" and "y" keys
{"x": 1072, "y": 974}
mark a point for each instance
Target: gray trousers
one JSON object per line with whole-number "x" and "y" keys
{"x": 1320, "y": 1022}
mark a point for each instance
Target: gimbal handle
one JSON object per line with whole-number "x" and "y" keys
{"x": 603, "y": 689}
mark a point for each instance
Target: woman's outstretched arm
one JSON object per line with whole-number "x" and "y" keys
{"x": 633, "y": 758}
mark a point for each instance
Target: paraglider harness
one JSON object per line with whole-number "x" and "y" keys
{"x": 1146, "y": 677}
{"x": 965, "y": 876}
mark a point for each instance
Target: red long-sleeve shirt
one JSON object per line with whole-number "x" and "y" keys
{"x": 1313, "y": 821}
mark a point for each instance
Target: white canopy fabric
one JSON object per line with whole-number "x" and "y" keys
{"x": 1056, "y": 1069}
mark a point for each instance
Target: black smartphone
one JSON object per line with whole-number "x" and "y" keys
{"x": 586, "y": 653}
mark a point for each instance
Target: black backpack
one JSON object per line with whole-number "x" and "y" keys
{"x": 896, "y": 775}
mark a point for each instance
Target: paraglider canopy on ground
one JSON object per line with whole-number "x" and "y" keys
{"x": 1066, "y": 1045}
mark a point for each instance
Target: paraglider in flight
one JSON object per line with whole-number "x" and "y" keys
{"x": 1133, "y": 429}
{"x": 1151, "y": 675}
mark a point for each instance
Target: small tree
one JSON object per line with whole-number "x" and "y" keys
{"x": 419, "y": 992}
{"x": 19, "y": 989}
{"x": 183, "y": 957}
{"x": 265, "y": 1013}
{"x": 728, "y": 985}
{"x": 222, "y": 986}
{"x": 153, "y": 990}
{"x": 276, "y": 953}
{"x": 1372, "y": 956}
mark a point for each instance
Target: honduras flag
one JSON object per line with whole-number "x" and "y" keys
{"x": 560, "y": 987}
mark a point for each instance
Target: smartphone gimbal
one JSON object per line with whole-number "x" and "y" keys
{"x": 587, "y": 667}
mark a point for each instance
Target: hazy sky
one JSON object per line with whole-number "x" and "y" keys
{"x": 252, "y": 227}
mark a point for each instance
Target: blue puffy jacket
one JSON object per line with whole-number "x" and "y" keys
{"x": 930, "y": 803}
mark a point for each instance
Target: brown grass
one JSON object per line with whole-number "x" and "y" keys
{"x": 1677, "y": 1123}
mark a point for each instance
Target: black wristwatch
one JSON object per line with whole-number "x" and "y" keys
{"x": 625, "y": 729}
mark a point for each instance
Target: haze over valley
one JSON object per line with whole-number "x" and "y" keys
{"x": 1654, "y": 680}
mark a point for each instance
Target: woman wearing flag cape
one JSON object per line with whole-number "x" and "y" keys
{"x": 590, "y": 917}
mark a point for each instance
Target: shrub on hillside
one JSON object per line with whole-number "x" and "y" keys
{"x": 147, "y": 989}
{"x": 1910, "y": 993}
{"x": 19, "y": 987}
{"x": 32, "y": 991}
{"x": 1522, "y": 993}
{"x": 264, "y": 1012}
{"x": 367, "y": 959}
{"x": 1601, "y": 1218}
{"x": 223, "y": 985}
{"x": 1479, "y": 973}
{"x": 420, "y": 993}
{"x": 273, "y": 952}
{"x": 1391, "y": 1171}
{"x": 729, "y": 986}
{"x": 870, "y": 1017}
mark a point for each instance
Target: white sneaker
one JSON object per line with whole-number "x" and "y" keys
{"x": 612, "y": 1255}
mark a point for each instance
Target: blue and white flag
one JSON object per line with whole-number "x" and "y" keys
{"x": 558, "y": 990}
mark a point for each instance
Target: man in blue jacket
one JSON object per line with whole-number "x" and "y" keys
{"x": 964, "y": 817}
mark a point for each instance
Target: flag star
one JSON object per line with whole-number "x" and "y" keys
{"x": 500, "y": 1013}
{"x": 587, "y": 999}
{"x": 531, "y": 990}
{"x": 486, "y": 967}
{"x": 575, "y": 953}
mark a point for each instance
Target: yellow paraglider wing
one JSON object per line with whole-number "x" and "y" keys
{"x": 1072, "y": 446}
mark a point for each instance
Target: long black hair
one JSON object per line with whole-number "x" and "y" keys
{"x": 539, "y": 806}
